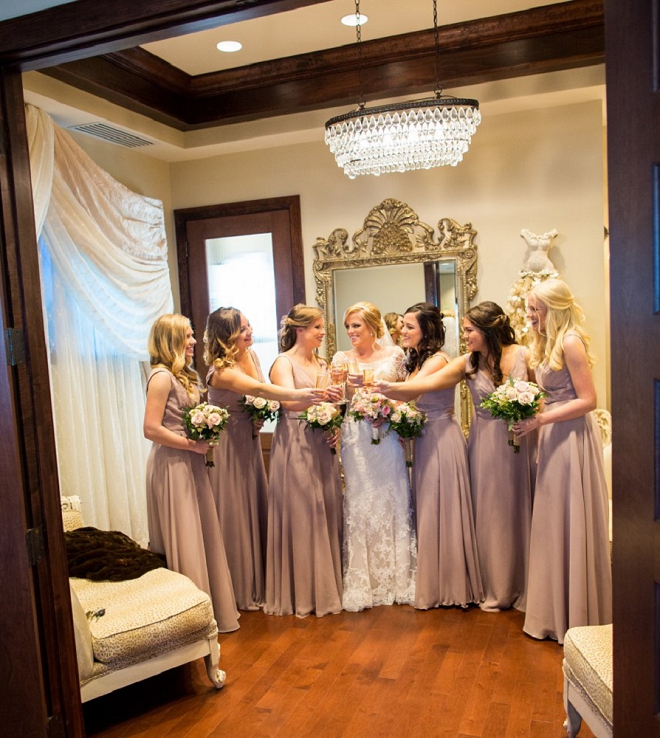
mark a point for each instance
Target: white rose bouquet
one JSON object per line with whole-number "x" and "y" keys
{"x": 260, "y": 409}
{"x": 205, "y": 422}
{"x": 324, "y": 416}
{"x": 513, "y": 401}
{"x": 407, "y": 421}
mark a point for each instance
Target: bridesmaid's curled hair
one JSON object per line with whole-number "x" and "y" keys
{"x": 167, "y": 347}
{"x": 300, "y": 316}
{"x": 494, "y": 323}
{"x": 430, "y": 322}
{"x": 223, "y": 327}
{"x": 370, "y": 314}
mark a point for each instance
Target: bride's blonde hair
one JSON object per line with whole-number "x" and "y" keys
{"x": 564, "y": 316}
{"x": 370, "y": 314}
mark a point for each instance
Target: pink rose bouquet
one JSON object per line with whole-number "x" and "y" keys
{"x": 205, "y": 422}
{"x": 513, "y": 401}
{"x": 373, "y": 408}
{"x": 260, "y": 409}
{"x": 324, "y": 416}
{"x": 407, "y": 421}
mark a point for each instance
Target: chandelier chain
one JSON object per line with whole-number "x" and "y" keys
{"x": 358, "y": 36}
{"x": 436, "y": 42}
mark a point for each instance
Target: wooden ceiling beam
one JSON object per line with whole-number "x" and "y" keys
{"x": 540, "y": 40}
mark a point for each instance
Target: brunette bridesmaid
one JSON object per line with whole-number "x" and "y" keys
{"x": 303, "y": 561}
{"x": 238, "y": 478}
{"x": 447, "y": 559}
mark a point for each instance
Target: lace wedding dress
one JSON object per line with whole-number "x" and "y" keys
{"x": 379, "y": 549}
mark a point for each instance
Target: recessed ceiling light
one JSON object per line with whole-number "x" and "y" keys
{"x": 229, "y": 46}
{"x": 351, "y": 20}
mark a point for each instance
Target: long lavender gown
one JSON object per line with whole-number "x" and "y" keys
{"x": 502, "y": 493}
{"x": 183, "y": 523}
{"x": 240, "y": 490}
{"x": 447, "y": 559}
{"x": 303, "y": 561}
{"x": 570, "y": 579}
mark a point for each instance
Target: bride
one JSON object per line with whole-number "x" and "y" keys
{"x": 380, "y": 550}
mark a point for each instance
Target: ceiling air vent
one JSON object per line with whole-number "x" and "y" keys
{"x": 112, "y": 134}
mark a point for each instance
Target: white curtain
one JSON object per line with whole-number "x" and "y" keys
{"x": 105, "y": 280}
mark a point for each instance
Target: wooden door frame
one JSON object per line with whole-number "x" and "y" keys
{"x": 288, "y": 204}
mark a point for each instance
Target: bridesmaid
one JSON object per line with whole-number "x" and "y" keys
{"x": 183, "y": 523}
{"x": 570, "y": 580}
{"x": 238, "y": 478}
{"x": 502, "y": 482}
{"x": 447, "y": 560}
{"x": 303, "y": 561}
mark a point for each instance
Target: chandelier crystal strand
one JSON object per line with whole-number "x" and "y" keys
{"x": 420, "y": 134}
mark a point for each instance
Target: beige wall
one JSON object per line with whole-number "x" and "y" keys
{"x": 537, "y": 169}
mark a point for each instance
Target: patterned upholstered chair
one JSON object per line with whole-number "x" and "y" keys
{"x": 128, "y": 631}
{"x": 588, "y": 679}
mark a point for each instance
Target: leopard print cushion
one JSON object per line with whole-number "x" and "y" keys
{"x": 588, "y": 665}
{"x": 144, "y": 617}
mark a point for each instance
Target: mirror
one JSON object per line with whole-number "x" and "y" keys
{"x": 394, "y": 261}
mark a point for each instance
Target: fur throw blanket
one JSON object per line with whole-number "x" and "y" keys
{"x": 102, "y": 555}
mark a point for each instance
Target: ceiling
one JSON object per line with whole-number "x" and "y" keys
{"x": 298, "y": 68}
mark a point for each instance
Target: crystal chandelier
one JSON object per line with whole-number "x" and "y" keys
{"x": 420, "y": 134}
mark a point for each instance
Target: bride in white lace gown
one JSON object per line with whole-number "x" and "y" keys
{"x": 380, "y": 549}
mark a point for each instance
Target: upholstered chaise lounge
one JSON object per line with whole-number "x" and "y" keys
{"x": 130, "y": 630}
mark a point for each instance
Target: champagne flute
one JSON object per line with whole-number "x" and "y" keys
{"x": 368, "y": 377}
{"x": 339, "y": 374}
{"x": 322, "y": 379}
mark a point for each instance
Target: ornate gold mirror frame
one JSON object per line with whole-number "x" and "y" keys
{"x": 392, "y": 234}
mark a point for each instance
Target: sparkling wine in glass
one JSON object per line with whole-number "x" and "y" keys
{"x": 368, "y": 377}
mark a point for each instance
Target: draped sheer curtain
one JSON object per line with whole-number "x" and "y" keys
{"x": 105, "y": 279}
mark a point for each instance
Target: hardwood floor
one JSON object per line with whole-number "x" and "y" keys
{"x": 390, "y": 671}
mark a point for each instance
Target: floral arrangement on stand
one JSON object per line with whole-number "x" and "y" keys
{"x": 205, "y": 422}
{"x": 260, "y": 409}
{"x": 514, "y": 401}
{"x": 373, "y": 408}
{"x": 326, "y": 417}
{"x": 407, "y": 421}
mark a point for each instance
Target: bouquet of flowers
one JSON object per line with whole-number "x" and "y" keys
{"x": 372, "y": 407}
{"x": 205, "y": 422}
{"x": 326, "y": 416}
{"x": 407, "y": 422}
{"x": 513, "y": 401}
{"x": 260, "y": 409}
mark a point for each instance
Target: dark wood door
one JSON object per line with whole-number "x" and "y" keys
{"x": 279, "y": 216}
{"x": 633, "y": 76}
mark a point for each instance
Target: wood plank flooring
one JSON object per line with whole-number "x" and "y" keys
{"x": 390, "y": 671}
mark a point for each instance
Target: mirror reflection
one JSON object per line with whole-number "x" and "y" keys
{"x": 395, "y": 261}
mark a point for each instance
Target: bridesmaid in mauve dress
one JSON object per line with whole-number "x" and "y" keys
{"x": 303, "y": 561}
{"x": 502, "y": 482}
{"x": 447, "y": 559}
{"x": 183, "y": 523}
{"x": 570, "y": 581}
{"x": 238, "y": 478}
